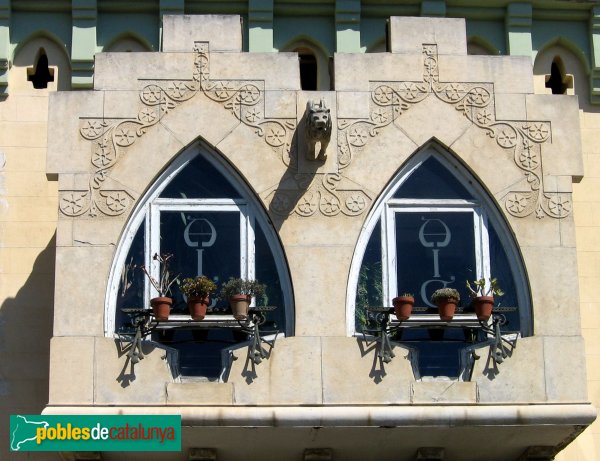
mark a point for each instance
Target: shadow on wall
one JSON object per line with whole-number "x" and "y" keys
{"x": 296, "y": 180}
{"x": 25, "y": 331}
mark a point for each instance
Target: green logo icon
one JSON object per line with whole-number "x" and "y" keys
{"x": 95, "y": 433}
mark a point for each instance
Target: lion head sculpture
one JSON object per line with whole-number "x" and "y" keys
{"x": 318, "y": 129}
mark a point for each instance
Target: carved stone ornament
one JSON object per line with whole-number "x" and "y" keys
{"x": 110, "y": 139}
{"x": 475, "y": 101}
{"x": 328, "y": 194}
{"x": 317, "y": 130}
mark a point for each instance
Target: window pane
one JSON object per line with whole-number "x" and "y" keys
{"x": 203, "y": 243}
{"x": 500, "y": 268}
{"x": 131, "y": 287}
{"x": 432, "y": 180}
{"x": 266, "y": 272}
{"x": 199, "y": 179}
{"x": 369, "y": 291}
{"x": 434, "y": 250}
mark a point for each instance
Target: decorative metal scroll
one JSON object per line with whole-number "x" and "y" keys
{"x": 389, "y": 100}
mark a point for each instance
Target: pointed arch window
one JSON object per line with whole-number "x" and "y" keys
{"x": 200, "y": 212}
{"x": 436, "y": 227}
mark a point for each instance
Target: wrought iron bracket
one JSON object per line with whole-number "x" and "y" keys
{"x": 144, "y": 323}
{"x": 387, "y": 328}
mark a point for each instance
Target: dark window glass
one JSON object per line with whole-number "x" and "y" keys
{"x": 207, "y": 242}
{"x": 506, "y": 280}
{"x": 308, "y": 72}
{"x": 131, "y": 286}
{"x": 266, "y": 272}
{"x": 434, "y": 250}
{"x": 199, "y": 179}
{"x": 432, "y": 180}
{"x": 41, "y": 75}
{"x": 204, "y": 243}
{"x": 370, "y": 288}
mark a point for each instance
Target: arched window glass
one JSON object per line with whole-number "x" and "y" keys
{"x": 435, "y": 227}
{"x": 200, "y": 213}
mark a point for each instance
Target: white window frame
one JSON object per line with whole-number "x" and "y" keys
{"x": 386, "y": 204}
{"x": 247, "y": 223}
{"x": 250, "y": 213}
{"x": 396, "y": 207}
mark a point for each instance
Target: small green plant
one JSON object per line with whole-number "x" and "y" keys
{"x": 481, "y": 288}
{"x": 198, "y": 287}
{"x": 445, "y": 293}
{"x": 166, "y": 279}
{"x": 237, "y": 286}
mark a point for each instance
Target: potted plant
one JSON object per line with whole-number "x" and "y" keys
{"x": 239, "y": 293}
{"x": 197, "y": 291}
{"x": 161, "y": 305}
{"x": 446, "y": 300}
{"x": 403, "y": 305}
{"x": 483, "y": 296}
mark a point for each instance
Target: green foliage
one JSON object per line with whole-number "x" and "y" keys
{"x": 445, "y": 293}
{"x": 236, "y": 286}
{"x": 480, "y": 288}
{"x": 198, "y": 287}
{"x": 369, "y": 292}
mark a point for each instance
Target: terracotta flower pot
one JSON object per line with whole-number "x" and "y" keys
{"x": 483, "y": 307}
{"x": 239, "y": 305}
{"x": 161, "y": 307}
{"x": 446, "y": 308}
{"x": 403, "y": 306}
{"x": 198, "y": 306}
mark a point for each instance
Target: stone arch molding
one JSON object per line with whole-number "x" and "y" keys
{"x": 244, "y": 99}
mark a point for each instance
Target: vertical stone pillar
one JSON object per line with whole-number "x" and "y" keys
{"x": 260, "y": 25}
{"x": 347, "y": 26}
{"x": 433, "y": 8}
{"x": 595, "y": 64}
{"x": 518, "y": 29}
{"x": 169, "y": 7}
{"x": 83, "y": 43}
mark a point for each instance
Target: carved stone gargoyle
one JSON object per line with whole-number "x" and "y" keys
{"x": 317, "y": 130}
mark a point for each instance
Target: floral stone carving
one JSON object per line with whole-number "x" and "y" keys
{"x": 329, "y": 194}
{"x": 110, "y": 139}
{"x": 389, "y": 100}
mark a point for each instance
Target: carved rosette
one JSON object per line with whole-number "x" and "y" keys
{"x": 389, "y": 100}
{"x": 322, "y": 195}
{"x": 110, "y": 139}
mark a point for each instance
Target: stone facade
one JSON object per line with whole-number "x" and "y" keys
{"x": 426, "y": 90}
{"x": 66, "y": 219}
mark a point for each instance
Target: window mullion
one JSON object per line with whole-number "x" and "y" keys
{"x": 388, "y": 254}
{"x": 153, "y": 244}
{"x": 485, "y": 247}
